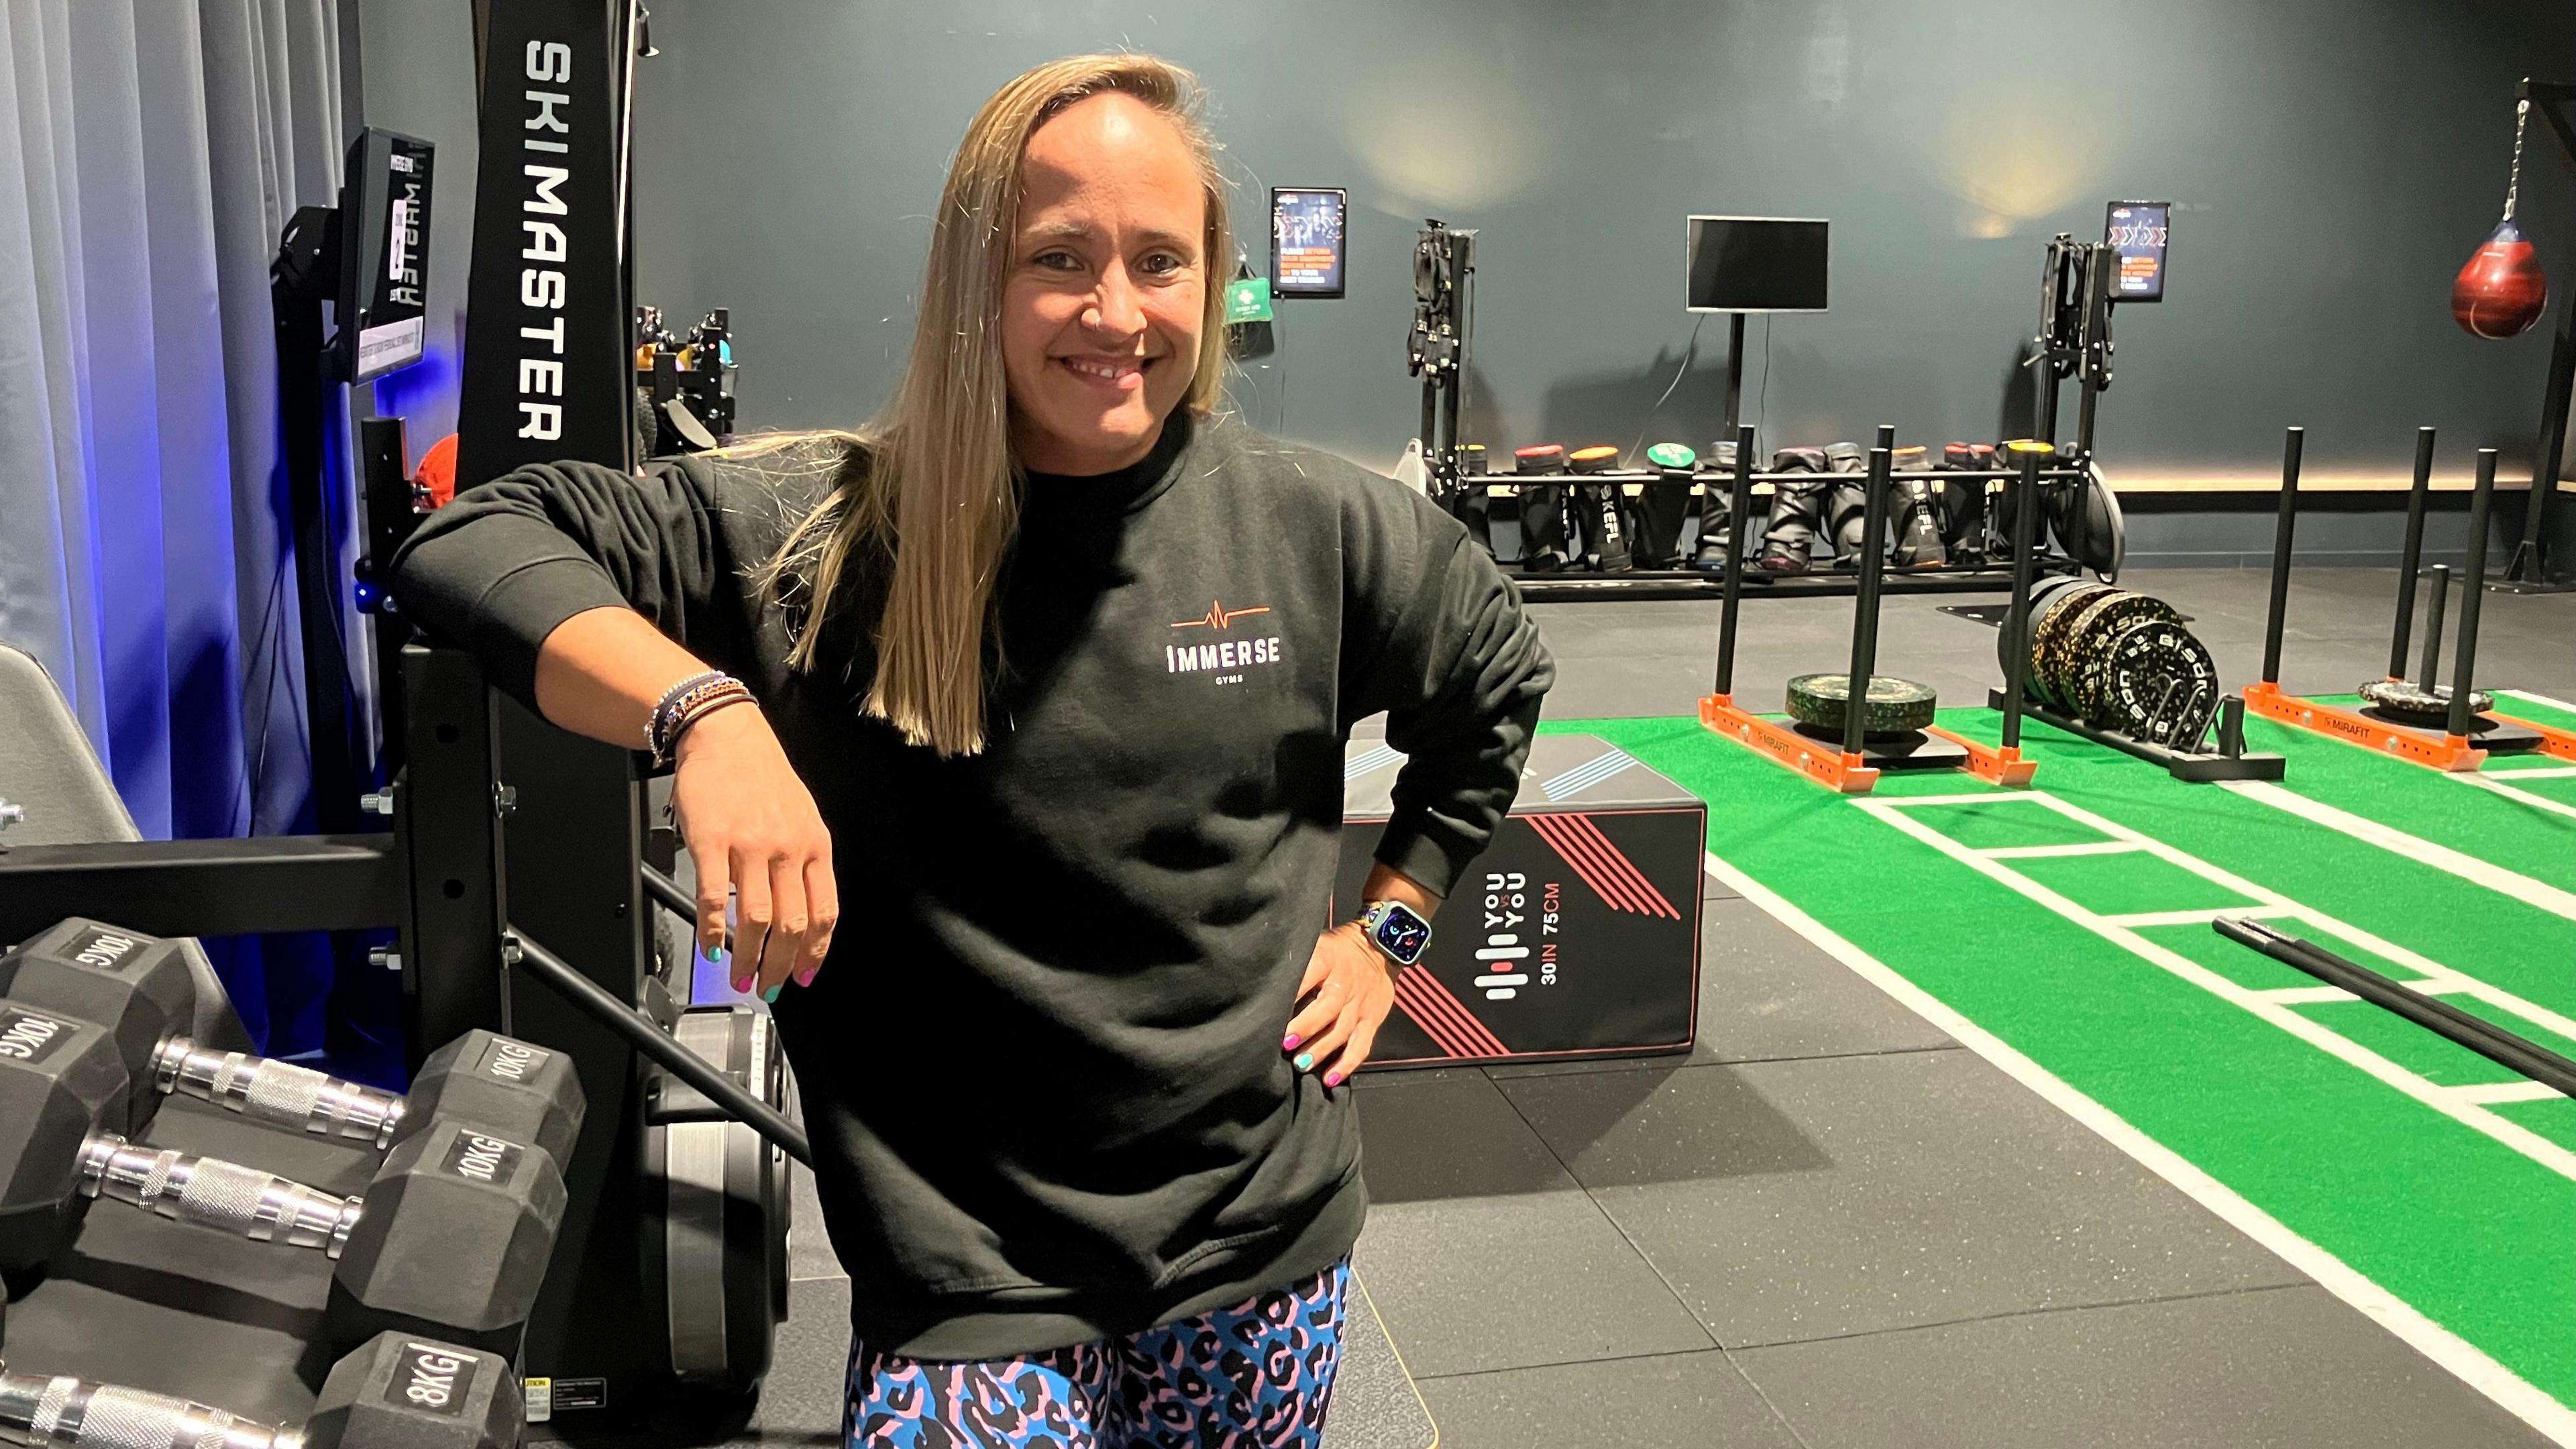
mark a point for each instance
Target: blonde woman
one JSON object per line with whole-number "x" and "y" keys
{"x": 1012, "y": 726}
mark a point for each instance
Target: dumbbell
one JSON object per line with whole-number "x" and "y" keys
{"x": 140, "y": 989}
{"x": 451, "y": 1237}
{"x": 395, "y": 1392}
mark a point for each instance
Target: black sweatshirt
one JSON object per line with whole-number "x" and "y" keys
{"x": 1042, "y": 1068}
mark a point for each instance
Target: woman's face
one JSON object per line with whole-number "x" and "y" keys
{"x": 1101, "y": 315}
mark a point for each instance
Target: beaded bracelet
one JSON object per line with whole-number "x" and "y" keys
{"x": 659, "y": 720}
{"x": 698, "y": 707}
{"x": 681, "y": 704}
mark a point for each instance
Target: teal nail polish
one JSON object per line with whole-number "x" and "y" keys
{"x": 772, "y": 993}
{"x": 1304, "y": 1060}
{"x": 715, "y": 953}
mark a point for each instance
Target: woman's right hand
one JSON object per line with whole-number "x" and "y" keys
{"x": 751, "y": 828}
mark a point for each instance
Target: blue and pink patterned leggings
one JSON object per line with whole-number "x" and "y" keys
{"x": 1255, "y": 1376}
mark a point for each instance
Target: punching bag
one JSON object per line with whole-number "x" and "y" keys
{"x": 2502, "y": 290}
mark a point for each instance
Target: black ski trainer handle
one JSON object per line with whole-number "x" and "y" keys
{"x": 647, "y": 1037}
{"x": 2433, "y": 1014}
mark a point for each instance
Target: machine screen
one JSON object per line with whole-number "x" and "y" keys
{"x": 2136, "y": 231}
{"x": 1306, "y": 242}
{"x": 1757, "y": 264}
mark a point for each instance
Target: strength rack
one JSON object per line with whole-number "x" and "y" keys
{"x": 1854, "y": 767}
{"x": 2467, "y": 736}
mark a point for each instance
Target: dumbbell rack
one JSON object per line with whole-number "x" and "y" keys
{"x": 2466, "y": 738}
{"x": 1854, "y": 768}
{"x": 133, "y": 1298}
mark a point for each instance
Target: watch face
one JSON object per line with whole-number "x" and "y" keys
{"x": 1403, "y": 934}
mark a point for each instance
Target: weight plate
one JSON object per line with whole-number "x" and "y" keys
{"x": 2105, "y": 544}
{"x": 2088, "y": 665}
{"x": 1672, "y": 455}
{"x": 2044, "y": 646}
{"x": 2163, "y": 685}
{"x": 2041, "y": 594}
{"x": 2088, "y": 645}
{"x": 1596, "y": 459}
{"x": 2061, "y": 665}
{"x": 2411, "y": 703}
{"x": 1538, "y": 458}
{"x": 1892, "y": 706}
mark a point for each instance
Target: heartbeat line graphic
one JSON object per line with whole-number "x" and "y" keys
{"x": 1220, "y": 617}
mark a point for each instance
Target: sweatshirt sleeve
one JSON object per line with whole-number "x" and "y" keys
{"x": 1441, "y": 644}
{"x": 497, "y": 569}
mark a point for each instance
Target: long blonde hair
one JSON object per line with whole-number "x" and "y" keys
{"x": 932, "y": 480}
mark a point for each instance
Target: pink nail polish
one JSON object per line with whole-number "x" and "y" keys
{"x": 1332, "y": 1079}
{"x": 1290, "y": 1043}
{"x": 742, "y": 984}
{"x": 806, "y": 976}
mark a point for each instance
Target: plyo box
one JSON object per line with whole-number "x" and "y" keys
{"x": 1576, "y": 933}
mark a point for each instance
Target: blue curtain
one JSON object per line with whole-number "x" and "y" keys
{"x": 160, "y": 146}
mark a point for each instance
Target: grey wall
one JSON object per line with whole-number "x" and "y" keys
{"x": 2332, "y": 163}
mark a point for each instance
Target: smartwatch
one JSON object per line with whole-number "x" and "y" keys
{"x": 1396, "y": 929}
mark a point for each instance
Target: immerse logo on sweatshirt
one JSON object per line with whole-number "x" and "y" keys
{"x": 1230, "y": 656}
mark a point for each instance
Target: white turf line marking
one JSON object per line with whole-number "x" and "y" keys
{"x": 2046, "y": 852}
{"x": 2260, "y": 902}
{"x": 2441, "y": 857}
{"x": 2489, "y": 783}
{"x": 2506, "y": 766}
{"x": 2540, "y": 699}
{"x": 2464, "y": 1360}
{"x": 2489, "y": 1093}
{"x": 2318, "y": 995}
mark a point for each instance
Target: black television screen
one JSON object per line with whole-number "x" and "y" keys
{"x": 2137, "y": 231}
{"x": 1306, "y": 240}
{"x": 384, "y": 253}
{"x": 1757, "y": 264}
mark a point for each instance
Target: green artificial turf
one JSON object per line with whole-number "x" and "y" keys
{"x": 2465, "y": 1229}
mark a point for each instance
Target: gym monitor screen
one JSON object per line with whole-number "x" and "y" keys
{"x": 1306, "y": 241}
{"x": 1757, "y": 264}
{"x": 384, "y": 253}
{"x": 2136, "y": 231}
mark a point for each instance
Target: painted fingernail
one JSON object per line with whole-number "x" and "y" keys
{"x": 1332, "y": 1079}
{"x": 1290, "y": 1044}
{"x": 806, "y": 976}
{"x": 772, "y": 993}
{"x": 1305, "y": 1060}
{"x": 716, "y": 952}
{"x": 742, "y": 985}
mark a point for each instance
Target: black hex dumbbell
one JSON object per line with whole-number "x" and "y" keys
{"x": 395, "y": 1392}
{"x": 140, "y": 990}
{"x": 451, "y": 1238}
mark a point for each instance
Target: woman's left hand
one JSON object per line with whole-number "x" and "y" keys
{"x": 1348, "y": 990}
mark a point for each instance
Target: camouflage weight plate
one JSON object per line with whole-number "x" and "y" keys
{"x": 2088, "y": 654}
{"x": 2410, "y": 703}
{"x": 2042, "y": 594}
{"x": 2163, "y": 686}
{"x": 1893, "y": 706}
{"x": 2044, "y": 646}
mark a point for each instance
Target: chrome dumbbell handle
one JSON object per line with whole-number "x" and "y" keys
{"x": 279, "y": 1092}
{"x": 68, "y": 1413}
{"x": 213, "y": 1193}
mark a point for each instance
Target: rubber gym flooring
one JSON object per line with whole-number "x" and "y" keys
{"x": 1988, "y": 1139}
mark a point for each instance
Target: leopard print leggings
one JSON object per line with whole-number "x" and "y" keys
{"x": 1258, "y": 1375}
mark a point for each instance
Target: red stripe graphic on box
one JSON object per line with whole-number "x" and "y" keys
{"x": 1423, "y": 1015}
{"x": 1576, "y": 851}
{"x": 1460, "y": 1033}
{"x": 1628, "y": 868}
{"x": 1601, "y": 865}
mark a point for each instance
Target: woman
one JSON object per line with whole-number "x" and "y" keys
{"x": 1022, "y": 769}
